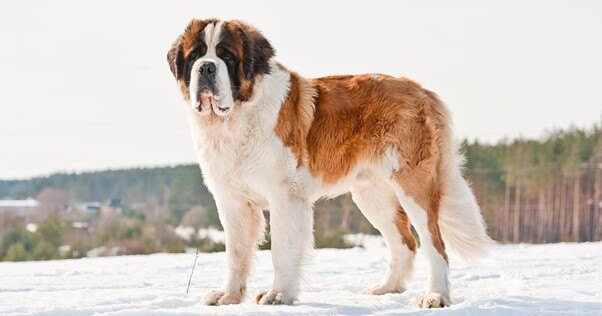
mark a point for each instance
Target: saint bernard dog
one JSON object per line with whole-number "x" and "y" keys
{"x": 269, "y": 139}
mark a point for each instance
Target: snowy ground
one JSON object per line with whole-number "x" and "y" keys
{"x": 517, "y": 279}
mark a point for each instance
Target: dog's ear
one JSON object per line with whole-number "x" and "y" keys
{"x": 175, "y": 58}
{"x": 257, "y": 52}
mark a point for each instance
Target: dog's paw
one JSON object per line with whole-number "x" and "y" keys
{"x": 221, "y": 298}
{"x": 383, "y": 289}
{"x": 433, "y": 300}
{"x": 272, "y": 297}
{"x": 213, "y": 297}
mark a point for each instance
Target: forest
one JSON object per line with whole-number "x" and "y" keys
{"x": 530, "y": 190}
{"x": 540, "y": 191}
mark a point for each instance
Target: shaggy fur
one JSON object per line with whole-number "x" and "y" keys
{"x": 287, "y": 141}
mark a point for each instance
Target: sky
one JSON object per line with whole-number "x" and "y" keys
{"x": 84, "y": 85}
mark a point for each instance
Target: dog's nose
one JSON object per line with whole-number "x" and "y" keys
{"x": 208, "y": 69}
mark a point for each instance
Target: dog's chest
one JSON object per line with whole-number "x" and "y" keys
{"x": 237, "y": 166}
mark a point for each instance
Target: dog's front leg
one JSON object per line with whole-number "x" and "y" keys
{"x": 291, "y": 221}
{"x": 243, "y": 226}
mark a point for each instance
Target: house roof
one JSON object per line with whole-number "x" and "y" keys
{"x": 19, "y": 203}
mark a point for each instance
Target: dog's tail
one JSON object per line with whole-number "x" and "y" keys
{"x": 462, "y": 226}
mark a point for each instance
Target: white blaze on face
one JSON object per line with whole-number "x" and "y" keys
{"x": 222, "y": 102}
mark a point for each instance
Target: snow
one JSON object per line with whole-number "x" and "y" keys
{"x": 561, "y": 279}
{"x": 186, "y": 233}
{"x": 213, "y": 234}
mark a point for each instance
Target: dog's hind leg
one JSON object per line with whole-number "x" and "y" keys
{"x": 420, "y": 196}
{"x": 381, "y": 207}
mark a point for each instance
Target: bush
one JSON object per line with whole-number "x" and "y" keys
{"x": 78, "y": 250}
{"x": 196, "y": 217}
{"x": 331, "y": 239}
{"x": 51, "y": 231}
{"x": 16, "y": 252}
{"x": 45, "y": 251}
{"x": 129, "y": 247}
{"x": 13, "y": 233}
{"x": 175, "y": 246}
{"x": 206, "y": 245}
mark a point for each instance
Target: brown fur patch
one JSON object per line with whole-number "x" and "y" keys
{"x": 296, "y": 116}
{"x": 250, "y": 46}
{"x": 259, "y": 296}
{"x": 402, "y": 222}
{"x": 421, "y": 178}
{"x": 194, "y": 35}
{"x": 357, "y": 118}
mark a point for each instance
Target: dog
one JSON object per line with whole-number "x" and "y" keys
{"x": 267, "y": 138}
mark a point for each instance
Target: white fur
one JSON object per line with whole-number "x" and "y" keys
{"x": 462, "y": 226}
{"x": 248, "y": 169}
{"x": 194, "y": 87}
{"x": 378, "y": 203}
{"x": 224, "y": 96}
{"x": 438, "y": 283}
{"x": 213, "y": 36}
{"x": 391, "y": 160}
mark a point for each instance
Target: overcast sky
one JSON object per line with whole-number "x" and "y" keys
{"x": 84, "y": 85}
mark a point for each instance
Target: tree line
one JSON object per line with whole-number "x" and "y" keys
{"x": 545, "y": 190}
{"x": 540, "y": 191}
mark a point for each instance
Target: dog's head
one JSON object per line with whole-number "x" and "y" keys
{"x": 216, "y": 63}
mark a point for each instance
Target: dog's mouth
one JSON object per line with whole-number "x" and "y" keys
{"x": 208, "y": 101}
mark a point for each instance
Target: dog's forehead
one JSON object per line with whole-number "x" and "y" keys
{"x": 211, "y": 34}
{"x": 201, "y": 32}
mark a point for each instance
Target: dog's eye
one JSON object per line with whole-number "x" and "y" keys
{"x": 227, "y": 57}
{"x": 194, "y": 55}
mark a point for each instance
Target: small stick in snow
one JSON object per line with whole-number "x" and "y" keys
{"x": 193, "y": 265}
